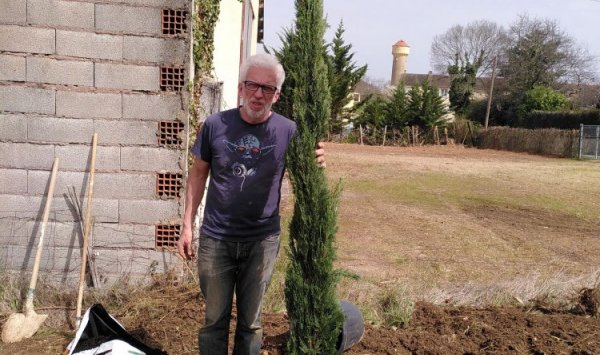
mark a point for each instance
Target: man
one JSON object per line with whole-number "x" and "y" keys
{"x": 243, "y": 150}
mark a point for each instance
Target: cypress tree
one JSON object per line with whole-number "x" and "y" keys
{"x": 343, "y": 77}
{"x": 314, "y": 312}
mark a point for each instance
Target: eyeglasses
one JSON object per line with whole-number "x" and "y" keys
{"x": 266, "y": 89}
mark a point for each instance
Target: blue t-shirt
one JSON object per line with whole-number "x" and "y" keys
{"x": 247, "y": 164}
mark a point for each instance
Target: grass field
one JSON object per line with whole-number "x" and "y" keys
{"x": 471, "y": 226}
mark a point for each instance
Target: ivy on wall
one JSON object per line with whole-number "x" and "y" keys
{"x": 204, "y": 19}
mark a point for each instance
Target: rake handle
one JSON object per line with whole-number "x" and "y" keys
{"x": 88, "y": 215}
{"x": 38, "y": 254}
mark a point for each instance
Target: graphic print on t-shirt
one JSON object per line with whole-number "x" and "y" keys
{"x": 248, "y": 153}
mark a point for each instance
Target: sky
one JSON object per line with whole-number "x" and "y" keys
{"x": 373, "y": 26}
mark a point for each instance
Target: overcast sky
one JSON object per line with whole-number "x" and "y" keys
{"x": 373, "y": 26}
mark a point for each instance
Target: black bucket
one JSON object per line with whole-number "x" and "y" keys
{"x": 353, "y": 327}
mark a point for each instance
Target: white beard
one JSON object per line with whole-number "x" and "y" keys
{"x": 257, "y": 115}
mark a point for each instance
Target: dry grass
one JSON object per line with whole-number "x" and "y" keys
{"x": 467, "y": 225}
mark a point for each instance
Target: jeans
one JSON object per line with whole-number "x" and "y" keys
{"x": 243, "y": 267}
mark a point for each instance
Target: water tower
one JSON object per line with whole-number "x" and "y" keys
{"x": 400, "y": 51}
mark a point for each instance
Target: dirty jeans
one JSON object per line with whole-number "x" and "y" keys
{"x": 225, "y": 267}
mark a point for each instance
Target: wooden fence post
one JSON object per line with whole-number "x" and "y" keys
{"x": 361, "y": 134}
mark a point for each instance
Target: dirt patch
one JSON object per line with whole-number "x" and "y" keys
{"x": 433, "y": 329}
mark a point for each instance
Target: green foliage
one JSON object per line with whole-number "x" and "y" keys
{"x": 560, "y": 119}
{"x": 421, "y": 106}
{"x": 476, "y": 111}
{"x": 397, "y": 109}
{"x": 373, "y": 112}
{"x": 288, "y": 60}
{"x": 540, "y": 54}
{"x": 426, "y": 108}
{"x": 204, "y": 18}
{"x": 343, "y": 77}
{"x": 314, "y": 312}
{"x": 543, "y": 98}
{"x": 464, "y": 77}
{"x": 396, "y": 306}
{"x": 206, "y": 14}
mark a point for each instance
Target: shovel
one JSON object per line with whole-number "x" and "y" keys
{"x": 20, "y": 326}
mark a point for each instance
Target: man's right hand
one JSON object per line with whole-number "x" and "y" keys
{"x": 185, "y": 246}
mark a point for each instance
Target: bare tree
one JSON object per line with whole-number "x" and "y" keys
{"x": 477, "y": 42}
{"x": 541, "y": 53}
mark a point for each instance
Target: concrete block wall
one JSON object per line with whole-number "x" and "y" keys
{"x": 69, "y": 69}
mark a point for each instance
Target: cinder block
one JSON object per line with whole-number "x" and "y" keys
{"x": 126, "y": 132}
{"x": 103, "y": 210}
{"x": 20, "y": 205}
{"x": 27, "y": 234}
{"x": 13, "y": 181}
{"x": 135, "y": 263}
{"x": 89, "y": 45}
{"x": 65, "y": 72}
{"x": 131, "y": 77}
{"x": 150, "y": 159}
{"x": 63, "y": 235}
{"x": 138, "y": 236}
{"x": 152, "y": 107}
{"x": 12, "y": 229}
{"x": 125, "y": 186}
{"x": 12, "y": 67}
{"x": 147, "y": 211}
{"x": 27, "y": 39}
{"x": 26, "y": 99}
{"x": 88, "y": 104}
{"x": 172, "y": 4}
{"x": 13, "y": 11}
{"x": 66, "y": 261}
{"x": 26, "y": 156}
{"x": 77, "y": 157}
{"x": 60, "y": 130}
{"x": 61, "y": 13}
{"x": 16, "y": 257}
{"x": 155, "y": 50}
{"x": 38, "y": 182}
{"x": 14, "y": 128}
{"x": 128, "y": 19}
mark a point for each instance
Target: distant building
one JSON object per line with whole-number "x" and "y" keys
{"x": 400, "y": 76}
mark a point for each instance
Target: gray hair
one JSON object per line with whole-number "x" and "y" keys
{"x": 264, "y": 61}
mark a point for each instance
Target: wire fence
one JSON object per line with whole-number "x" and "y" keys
{"x": 589, "y": 142}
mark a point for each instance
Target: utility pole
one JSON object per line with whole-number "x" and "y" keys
{"x": 489, "y": 103}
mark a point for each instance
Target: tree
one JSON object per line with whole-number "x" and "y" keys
{"x": 462, "y": 85}
{"x": 397, "y": 108}
{"x": 426, "y": 108}
{"x": 543, "y": 99}
{"x": 539, "y": 54}
{"x": 286, "y": 58}
{"x": 343, "y": 76}
{"x": 373, "y": 112}
{"x": 476, "y": 43}
{"x": 314, "y": 312}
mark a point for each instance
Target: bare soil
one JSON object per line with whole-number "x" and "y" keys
{"x": 434, "y": 329}
{"x": 524, "y": 239}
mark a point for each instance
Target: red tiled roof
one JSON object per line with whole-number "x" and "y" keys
{"x": 401, "y": 43}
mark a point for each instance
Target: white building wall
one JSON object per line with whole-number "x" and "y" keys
{"x": 228, "y": 46}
